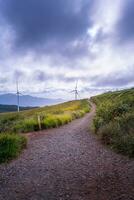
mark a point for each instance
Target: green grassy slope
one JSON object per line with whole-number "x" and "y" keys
{"x": 50, "y": 116}
{"x": 11, "y": 124}
{"x": 114, "y": 121}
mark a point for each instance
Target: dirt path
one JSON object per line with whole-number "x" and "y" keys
{"x": 67, "y": 163}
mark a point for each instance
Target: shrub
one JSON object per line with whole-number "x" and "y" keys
{"x": 50, "y": 122}
{"x": 86, "y": 109}
{"x": 53, "y": 121}
{"x": 124, "y": 145}
{"x": 97, "y": 123}
{"x": 11, "y": 146}
{"x": 26, "y": 125}
{"x": 78, "y": 114}
{"x": 114, "y": 121}
{"x": 7, "y": 121}
{"x": 66, "y": 118}
{"x": 108, "y": 132}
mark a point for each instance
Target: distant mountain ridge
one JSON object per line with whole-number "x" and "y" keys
{"x": 27, "y": 100}
{"x": 12, "y": 108}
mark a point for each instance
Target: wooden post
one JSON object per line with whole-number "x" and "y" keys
{"x": 39, "y": 122}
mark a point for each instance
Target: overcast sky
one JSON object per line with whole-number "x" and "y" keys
{"x": 50, "y": 44}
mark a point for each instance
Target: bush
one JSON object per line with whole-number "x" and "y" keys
{"x": 11, "y": 146}
{"x": 53, "y": 121}
{"x": 50, "y": 122}
{"x": 7, "y": 121}
{"x": 124, "y": 145}
{"x": 114, "y": 121}
{"x": 78, "y": 114}
{"x": 108, "y": 132}
{"x": 97, "y": 123}
{"x": 66, "y": 118}
{"x": 26, "y": 125}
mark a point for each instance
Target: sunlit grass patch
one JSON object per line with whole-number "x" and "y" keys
{"x": 26, "y": 125}
{"x": 11, "y": 146}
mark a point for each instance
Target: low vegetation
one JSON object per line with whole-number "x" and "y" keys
{"x": 11, "y": 146}
{"x": 43, "y": 118}
{"x": 34, "y": 120}
{"x": 114, "y": 121}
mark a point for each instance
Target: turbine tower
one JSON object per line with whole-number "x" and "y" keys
{"x": 76, "y": 91}
{"x": 18, "y": 97}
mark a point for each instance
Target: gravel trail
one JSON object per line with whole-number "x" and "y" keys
{"x": 67, "y": 163}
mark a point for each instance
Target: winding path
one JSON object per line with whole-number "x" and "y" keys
{"x": 68, "y": 163}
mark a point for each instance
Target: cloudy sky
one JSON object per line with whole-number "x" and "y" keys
{"x": 50, "y": 44}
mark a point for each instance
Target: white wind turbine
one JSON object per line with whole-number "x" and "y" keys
{"x": 75, "y": 91}
{"x": 18, "y": 96}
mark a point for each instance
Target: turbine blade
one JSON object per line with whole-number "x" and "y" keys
{"x": 72, "y": 91}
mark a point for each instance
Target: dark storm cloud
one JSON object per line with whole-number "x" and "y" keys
{"x": 125, "y": 25}
{"x": 18, "y": 74}
{"x": 118, "y": 79}
{"x": 73, "y": 79}
{"x": 48, "y": 24}
{"x": 66, "y": 79}
{"x": 41, "y": 76}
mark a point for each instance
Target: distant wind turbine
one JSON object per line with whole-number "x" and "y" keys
{"x": 75, "y": 91}
{"x": 18, "y": 96}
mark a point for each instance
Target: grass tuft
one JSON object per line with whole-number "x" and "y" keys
{"x": 11, "y": 146}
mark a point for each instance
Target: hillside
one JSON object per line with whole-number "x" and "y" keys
{"x": 33, "y": 120}
{"x": 114, "y": 121}
{"x": 11, "y": 108}
{"x": 27, "y": 100}
{"x": 50, "y": 116}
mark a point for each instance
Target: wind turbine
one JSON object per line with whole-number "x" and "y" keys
{"x": 76, "y": 91}
{"x": 18, "y": 96}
